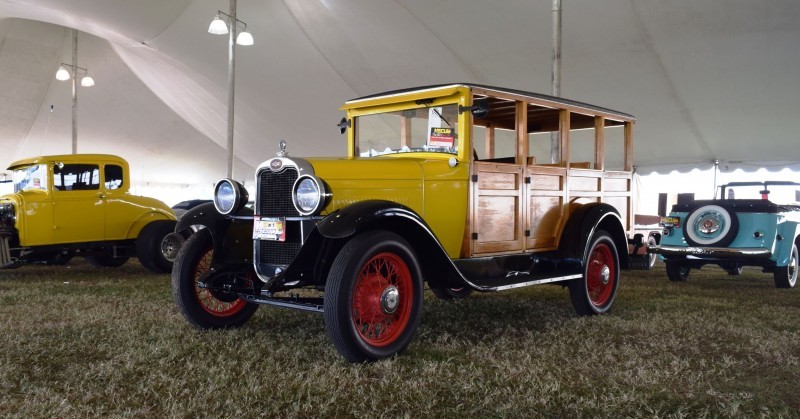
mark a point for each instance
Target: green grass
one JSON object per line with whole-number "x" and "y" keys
{"x": 81, "y": 341}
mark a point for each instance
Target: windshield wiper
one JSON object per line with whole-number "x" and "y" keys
{"x": 425, "y": 102}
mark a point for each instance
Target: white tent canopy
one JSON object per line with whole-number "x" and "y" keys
{"x": 708, "y": 80}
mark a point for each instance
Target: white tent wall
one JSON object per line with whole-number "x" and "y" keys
{"x": 710, "y": 80}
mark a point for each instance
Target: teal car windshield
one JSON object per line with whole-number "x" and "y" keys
{"x": 423, "y": 129}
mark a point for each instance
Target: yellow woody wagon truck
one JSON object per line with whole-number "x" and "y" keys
{"x": 457, "y": 187}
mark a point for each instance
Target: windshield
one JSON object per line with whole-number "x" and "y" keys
{"x": 30, "y": 177}
{"x": 781, "y": 194}
{"x": 432, "y": 129}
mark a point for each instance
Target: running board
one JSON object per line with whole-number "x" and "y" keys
{"x": 525, "y": 280}
{"x": 313, "y": 305}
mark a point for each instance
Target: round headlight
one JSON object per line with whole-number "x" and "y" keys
{"x": 229, "y": 196}
{"x": 308, "y": 195}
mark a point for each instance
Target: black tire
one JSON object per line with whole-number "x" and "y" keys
{"x": 204, "y": 309}
{"x": 677, "y": 272}
{"x": 594, "y": 292}
{"x": 59, "y": 259}
{"x": 451, "y": 293}
{"x": 734, "y": 270}
{"x": 373, "y": 297}
{"x": 148, "y": 246}
{"x": 711, "y": 213}
{"x": 106, "y": 261}
{"x": 786, "y": 276}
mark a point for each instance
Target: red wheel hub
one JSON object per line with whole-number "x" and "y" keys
{"x": 601, "y": 274}
{"x": 382, "y": 299}
{"x": 210, "y": 303}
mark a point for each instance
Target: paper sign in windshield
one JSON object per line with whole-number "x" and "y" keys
{"x": 442, "y": 137}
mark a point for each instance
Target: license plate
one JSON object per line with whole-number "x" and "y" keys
{"x": 269, "y": 229}
{"x": 670, "y": 222}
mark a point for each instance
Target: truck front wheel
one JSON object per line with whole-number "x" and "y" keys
{"x": 373, "y": 297}
{"x": 202, "y": 307}
{"x": 595, "y": 291}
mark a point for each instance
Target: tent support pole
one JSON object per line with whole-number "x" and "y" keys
{"x": 555, "y": 142}
{"x": 231, "y": 84}
{"x": 74, "y": 91}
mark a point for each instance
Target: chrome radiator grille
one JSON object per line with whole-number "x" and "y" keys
{"x": 275, "y": 200}
{"x": 275, "y": 193}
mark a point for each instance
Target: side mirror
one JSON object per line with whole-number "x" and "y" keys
{"x": 479, "y": 108}
{"x": 343, "y": 125}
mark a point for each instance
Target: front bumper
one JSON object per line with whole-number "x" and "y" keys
{"x": 712, "y": 252}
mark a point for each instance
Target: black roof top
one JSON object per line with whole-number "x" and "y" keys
{"x": 502, "y": 89}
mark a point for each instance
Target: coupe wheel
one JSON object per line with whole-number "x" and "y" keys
{"x": 677, "y": 272}
{"x": 595, "y": 291}
{"x": 171, "y": 245}
{"x": 202, "y": 307}
{"x": 149, "y": 246}
{"x": 373, "y": 297}
{"x": 786, "y": 276}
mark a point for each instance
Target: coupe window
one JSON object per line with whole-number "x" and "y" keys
{"x": 75, "y": 177}
{"x": 30, "y": 177}
{"x": 426, "y": 128}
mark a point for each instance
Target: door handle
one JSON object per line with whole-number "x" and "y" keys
{"x": 102, "y": 196}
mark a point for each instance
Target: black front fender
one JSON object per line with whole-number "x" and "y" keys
{"x": 362, "y": 215}
{"x": 359, "y": 217}
{"x": 232, "y": 234}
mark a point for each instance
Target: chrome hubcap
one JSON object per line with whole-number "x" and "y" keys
{"x": 390, "y": 299}
{"x": 605, "y": 275}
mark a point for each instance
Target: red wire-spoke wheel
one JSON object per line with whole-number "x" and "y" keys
{"x": 381, "y": 304}
{"x": 600, "y": 275}
{"x": 219, "y": 305}
{"x": 202, "y": 307}
{"x": 594, "y": 292}
{"x": 373, "y": 297}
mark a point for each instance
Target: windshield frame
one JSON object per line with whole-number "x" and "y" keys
{"x": 461, "y": 121}
{"x": 24, "y": 181}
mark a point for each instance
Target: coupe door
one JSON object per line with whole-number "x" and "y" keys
{"x": 78, "y": 204}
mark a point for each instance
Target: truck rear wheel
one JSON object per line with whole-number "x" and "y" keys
{"x": 373, "y": 298}
{"x": 204, "y": 308}
{"x": 595, "y": 291}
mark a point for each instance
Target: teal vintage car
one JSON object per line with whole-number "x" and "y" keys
{"x": 745, "y": 227}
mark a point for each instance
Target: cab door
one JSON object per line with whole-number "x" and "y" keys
{"x": 78, "y": 204}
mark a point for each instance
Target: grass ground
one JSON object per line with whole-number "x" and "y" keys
{"x": 81, "y": 341}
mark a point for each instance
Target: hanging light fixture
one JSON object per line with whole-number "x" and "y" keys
{"x": 87, "y": 81}
{"x": 244, "y": 38}
{"x": 218, "y": 26}
{"x": 62, "y": 73}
